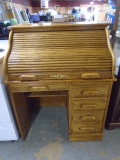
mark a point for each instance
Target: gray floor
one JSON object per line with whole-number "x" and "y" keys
{"x": 48, "y": 140}
{"x": 117, "y": 48}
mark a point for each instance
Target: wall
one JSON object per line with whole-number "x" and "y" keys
{"x": 66, "y": 5}
{"x": 23, "y": 4}
{"x": 64, "y": 8}
{"x": 36, "y": 3}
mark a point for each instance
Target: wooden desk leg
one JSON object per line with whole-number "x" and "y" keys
{"x": 22, "y": 112}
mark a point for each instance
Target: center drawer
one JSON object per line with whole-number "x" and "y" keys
{"x": 88, "y": 90}
{"x": 87, "y": 116}
{"x": 38, "y": 87}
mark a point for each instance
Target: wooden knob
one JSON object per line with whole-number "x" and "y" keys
{"x": 90, "y": 75}
{"x": 28, "y": 78}
{"x": 88, "y": 106}
{"x": 87, "y": 118}
{"x": 86, "y": 129}
{"x": 90, "y": 93}
{"x": 41, "y": 88}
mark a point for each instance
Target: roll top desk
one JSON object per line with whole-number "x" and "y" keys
{"x": 72, "y": 59}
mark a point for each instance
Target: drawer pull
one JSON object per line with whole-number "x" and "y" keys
{"x": 88, "y": 106}
{"x": 86, "y": 118}
{"x": 90, "y": 75}
{"x": 86, "y": 129}
{"x": 41, "y": 88}
{"x": 89, "y": 93}
{"x": 28, "y": 78}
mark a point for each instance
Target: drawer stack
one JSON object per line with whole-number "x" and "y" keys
{"x": 87, "y": 109}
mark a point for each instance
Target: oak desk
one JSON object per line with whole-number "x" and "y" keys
{"x": 73, "y": 60}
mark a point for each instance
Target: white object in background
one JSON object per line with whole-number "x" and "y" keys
{"x": 57, "y": 20}
{"x": 3, "y": 45}
{"x": 58, "y": 16}
{"x": 117, "y": 66}
{"x": 44, "y": 3}
{"x": 8, "y": 129}
{"x": 53, "y": 12}
{"x": 69, "y": 12}
{"x": 66, "y": 18}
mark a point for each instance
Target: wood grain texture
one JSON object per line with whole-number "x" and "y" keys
{"x": 7, "y": 55}
{"x": 22, "y": 112}
{"x": 38, "y": 87}
{"x": 111, "y": 51}
{"x": 86, "y": 137}
{"x": 88, "y": 116}
{"x": 58, "y": 27}
{"x": 72, "y": 63}
{"x": 53, "y": 58}
{"x": 88, "y": 104}
{"x": 82, "y": 90}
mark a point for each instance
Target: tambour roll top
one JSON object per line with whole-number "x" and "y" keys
{"x": 59, "y": 51}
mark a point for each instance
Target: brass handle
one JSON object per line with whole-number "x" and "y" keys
{"x": 88, "y": 106}
{"x": 86, "y": 129}
{"x": 87, "y": 118}
{"x": 41, "y": 88}
{"x": 90, "y": 75}
{"x": 27, "y": 77}
{"x": 90, "y": 93}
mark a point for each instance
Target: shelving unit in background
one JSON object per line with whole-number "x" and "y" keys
{"x": 8, "y": 9}
{"x": 116, "y": 25}
{"x": 15, "y": 15}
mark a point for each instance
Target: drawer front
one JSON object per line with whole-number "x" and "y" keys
{"x": 44, "y": 75}
{"x": 86, "y": 128}
{"x": 38, "y": 87}
{"x": 88, "y": 116}
{"x": 89, "y": 91}
{"x": 88, "y": 104}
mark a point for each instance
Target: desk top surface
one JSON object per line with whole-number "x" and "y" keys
{"x": 58, "y": 26}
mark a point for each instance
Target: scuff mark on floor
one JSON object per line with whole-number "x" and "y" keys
{"x": 59, "y": 139}
{"x": 53, "y": 151}
{"x": 78, "y": 145}
{"x": 43, "y": 139}
{"x": 55, "y": 126}
{"x": 104, "y": 154}
{"x": 42, "y": 132}
{"x": 1, "y": 158}
{"x": 116, "y": 158}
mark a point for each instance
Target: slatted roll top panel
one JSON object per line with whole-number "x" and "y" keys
{"x": 59, "y": 54}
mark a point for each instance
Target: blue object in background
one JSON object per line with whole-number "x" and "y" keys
{"x": 35, "y": 18}
{"x": 110, "y": 2}
{"x": 112, "y": 17}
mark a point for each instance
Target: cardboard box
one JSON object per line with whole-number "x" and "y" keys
{"x": 58, "y": 20}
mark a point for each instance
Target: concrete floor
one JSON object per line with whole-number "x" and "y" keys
{"x": 48, "y": 140}
{"x": 117, "y": 48}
